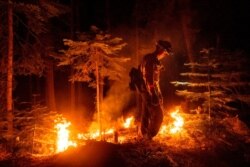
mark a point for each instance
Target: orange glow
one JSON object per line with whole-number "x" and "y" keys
{"x": 94, "y": 134}
{"x": 163, "y": 129}
{"x": 63, "y": 141}
{"x": 108, "y": 132}
{"x": 178, "y": 122}
{"x": 174, "y": 126}
{"x": 120, "y": 131}
{"x": 128, "y": 122}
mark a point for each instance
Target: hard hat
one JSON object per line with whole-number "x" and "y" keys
{"x": 165, "y": 45}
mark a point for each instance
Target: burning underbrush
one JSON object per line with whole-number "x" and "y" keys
{"x": 183, "y": 138}
{"x": 122, "y": 131}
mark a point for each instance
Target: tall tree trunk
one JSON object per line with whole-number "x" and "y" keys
{"x": 10, "y": 71}
{"x": 137, "y": 58}
{"x": 185, "y": 22}
{"x": 72, "y": 95}
{"x": 76, "y": 29}
{"x": 100, "y": 82}
{"x": 72, "y": 84}
{"x": 99, "y": 114}
{"x": 77, "y": 15}
{"x": 107, "y": 13}
{"x": 108, "y": 28}
{"x": 50, "y": 91}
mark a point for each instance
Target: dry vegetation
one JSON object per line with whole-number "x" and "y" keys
{"x": 202, "y": 142}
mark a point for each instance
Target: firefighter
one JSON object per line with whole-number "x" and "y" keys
{"x": 146, "y": 80}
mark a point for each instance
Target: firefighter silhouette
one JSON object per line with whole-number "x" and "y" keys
{"x": 145, "y": 80}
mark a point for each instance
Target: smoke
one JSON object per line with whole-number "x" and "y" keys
{"x": 115, "y": 102}
{"x": 148, "y": 25}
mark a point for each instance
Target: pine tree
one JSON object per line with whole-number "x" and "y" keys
{"x": 93, "y": 58}
{"x": 9, "y": 94}
{"x": 216, "y": 81}
{"x": 25, "y": 58}
{"x": 35, "y": 131}
{"x": 38, "y": 42}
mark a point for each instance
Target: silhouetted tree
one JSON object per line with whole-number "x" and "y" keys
{"x": 26, "y": 57}
{"x": 94, "y": 57}
{"x": 9, "y": 99}
{"x": 218, "y": 83}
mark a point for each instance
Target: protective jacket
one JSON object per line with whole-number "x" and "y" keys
{"x": 150, "y": 69}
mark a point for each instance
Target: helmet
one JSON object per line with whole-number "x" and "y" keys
{"x": 165, "y": 45}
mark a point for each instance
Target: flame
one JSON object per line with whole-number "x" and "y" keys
{"x": 163, "y": 129}
{"x": 128, "y": 122}
{"x": 94, "y": 131}
{"x": 63, "y": 133}
{"x": 178, "y": 122}
{"x": 110, "y": 131}
{"x": 63, "y": 141}
{"x": 94, "y": 134}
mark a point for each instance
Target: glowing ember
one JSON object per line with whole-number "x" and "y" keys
{"x": 178, "y": 122}
{"x": 163, "y": 129}
{"x": 94, "y": 134}
{"x": 110, "y": 131}
{"x": 128, "y": 122}
{"x": 81, "y": 136}
{"x": 63, "y": 136}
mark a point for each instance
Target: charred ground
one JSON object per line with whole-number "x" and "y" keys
{"x": 202, "y": 142}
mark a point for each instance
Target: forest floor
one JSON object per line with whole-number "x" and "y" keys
{"x": 217, "y": 143}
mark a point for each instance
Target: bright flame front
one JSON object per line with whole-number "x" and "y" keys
{"x": 63, "y": 141}
{"x": 63, "y": 133}
{"x": 178, "y": 122}
{"x": 128, "y": 122}
{"x": 174, "y": 126}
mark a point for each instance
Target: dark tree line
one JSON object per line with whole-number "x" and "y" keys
{"x": 217, "y": 83}
{"x": 26, "y": 44}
